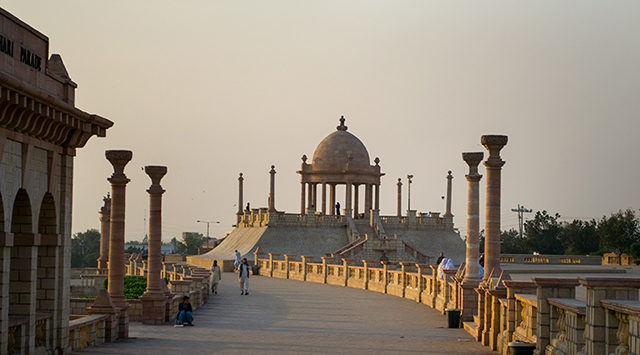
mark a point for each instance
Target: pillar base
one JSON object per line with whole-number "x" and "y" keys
{"x": 153, "y": 307}
{"x": 469, "y": 299}
{"x": 103, "y": 305}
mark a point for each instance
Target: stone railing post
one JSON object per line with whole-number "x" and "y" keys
{"x": 514, "y": 287}
{"x": 598, "y": 289}
{"x": 550, "y": 288}
{"x": 403, "y": 278}
{"x": 421, "y": 286}
{"x": 270, "y": 265}
{"x": 384, "y": 273}
{"x": 365, "y": 265}
{"x": 345, "y": 267}
{"x": 324, "y": 269}
{"x": 304, "y": 267}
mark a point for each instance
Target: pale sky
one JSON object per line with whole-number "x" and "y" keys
{"x": 213, "y": 88}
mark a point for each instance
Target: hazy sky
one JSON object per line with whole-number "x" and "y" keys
{"x": 212, "y": 88}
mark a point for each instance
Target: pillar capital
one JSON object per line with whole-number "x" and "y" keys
{"x": 118, "y": 159}
{"x": 494, "y": 143}
{"x": 240, "y": 178}
{"x": 156, "y": 173}
{"x": 273, "y": 170}
{"x": 105, "y": 210}
{"x": 399, "y": 182}
{"x": 473, "y": 159}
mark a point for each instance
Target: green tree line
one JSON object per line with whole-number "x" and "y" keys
{"x": 546, "y": 234}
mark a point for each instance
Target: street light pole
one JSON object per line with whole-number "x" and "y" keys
{"x": 409, "y": 177}
{"x": 208, "y": 222}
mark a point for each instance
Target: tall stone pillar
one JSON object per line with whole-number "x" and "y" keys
{"x": 154, "y": 298}
{"x": 105, "y": 219}
{"x": 118, "y": 180}
{"x": 347, "y": 199}
{"x": 272, "y": 189}
{"x": 302, "y": 198}
{"x": 472, "y": 272}
{"x": 332, "y": 199}
{"x": 447, "y": 213}
{"x": 367, "y": 199}
{"x": 240, "y": 194}
{"x": 324, "y": 198}
{"x": 399, "y": 212}
{"x": 493, "y": 143}
{"x": 314, "y": 204}
{"x": 377, "y": 191}
{"x": 356, "y": 200}
{"x": 310, "y": 197}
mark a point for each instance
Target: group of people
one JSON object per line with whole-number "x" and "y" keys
{"x": 447, "y": 264}
{"x": 185, "y": 311}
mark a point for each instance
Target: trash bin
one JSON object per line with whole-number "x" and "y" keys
{"x": 521, "y": 348}
{"x": 453, "y": 317}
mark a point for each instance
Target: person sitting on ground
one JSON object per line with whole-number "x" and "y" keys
{"x": 185, "y": 312}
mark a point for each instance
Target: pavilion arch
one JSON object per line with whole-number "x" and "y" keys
{"x": 48, "y": 217}
{"x": 21, "y": 218}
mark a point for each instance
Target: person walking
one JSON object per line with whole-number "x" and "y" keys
{"x": 244, "y": 270}
{"x": 236, "y": 263}
{"x": 216, "y": 276}
{"x": 337, "y": 208}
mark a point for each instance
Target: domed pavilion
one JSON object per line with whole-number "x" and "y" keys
{"x": 340, "y": 159}
{"x": 353, "y": 232}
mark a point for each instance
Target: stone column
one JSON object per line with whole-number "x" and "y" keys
{"x": 356, "y": 198}
{"x": 377, "y": 191}
{"x": 324, "y": 198}
{"x": 447, "y": 213}
{"x": 272, "y": 189}
{"x": 472, "y": 272}
{"x": 240, "y": 202}
{"x": 347, "y": 199}
{"x": 154, "y": 299}
{"x": 302, "y": 197}
{"x": 118, "y": 180}
{"x": 399, "y": 212}
{"x": 105, "y": 218}
{"x": 332, "y": 199}
{"x": 310, "y": 197}
{"x": 492, "y": 225}
{"x": 367, "y": 199}
{"x": 314, "y": 204}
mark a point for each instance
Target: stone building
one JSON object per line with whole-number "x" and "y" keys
{"x": 40, "y": 130}
{"x": 356, "y": 231}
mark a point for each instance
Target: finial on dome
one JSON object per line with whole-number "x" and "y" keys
{"x": 342, "y": 127}
{"x": 377, "y": 161}
{"x": 304, "y": 158}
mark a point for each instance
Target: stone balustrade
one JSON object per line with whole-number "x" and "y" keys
{"x": 543, "y": 311}
{"x": 551, "y": 259}
{"x": 87, "y": 330}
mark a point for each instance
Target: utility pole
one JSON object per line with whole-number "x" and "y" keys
{"x": 521, "y": 211}
{"x": 207, "y": 222}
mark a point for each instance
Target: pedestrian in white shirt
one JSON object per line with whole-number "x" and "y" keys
{"x": 216, "y": 276}
{"x": 244, "y": 270}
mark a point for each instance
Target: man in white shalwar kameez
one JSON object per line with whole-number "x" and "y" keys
{"x": 236, "y": 264}
{"x": 244, "y": 270}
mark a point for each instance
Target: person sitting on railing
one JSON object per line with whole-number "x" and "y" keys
{"x": 185, "y": 312}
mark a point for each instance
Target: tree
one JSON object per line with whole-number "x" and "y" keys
{"x": 511, "y": 243}
{"x": 581, "y": 237}
{"x": 619, "y": 231}
{"x": 85, "y": 248}
{"x": 190, "y": 243}
{"x": 544, "y": 234}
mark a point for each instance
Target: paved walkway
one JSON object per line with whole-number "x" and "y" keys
{"x": 285, "y": 316}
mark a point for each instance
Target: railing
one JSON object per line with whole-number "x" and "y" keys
{"x": 543, "y": 312}
{"x": 86, "y": 331}
{"x": 550, "y": 259}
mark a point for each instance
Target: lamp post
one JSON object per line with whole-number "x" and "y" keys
{"x": 409, "y": 177}
{"x": 208, "y": 222}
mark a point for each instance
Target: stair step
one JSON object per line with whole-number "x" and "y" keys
{"x": 471, "y": 328}
{"x": 476, "y": 320}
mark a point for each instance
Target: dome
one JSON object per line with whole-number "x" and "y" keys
{"x": 341, "y": 151}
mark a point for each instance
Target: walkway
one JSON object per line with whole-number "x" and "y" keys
{"x": 285, "y": 316}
